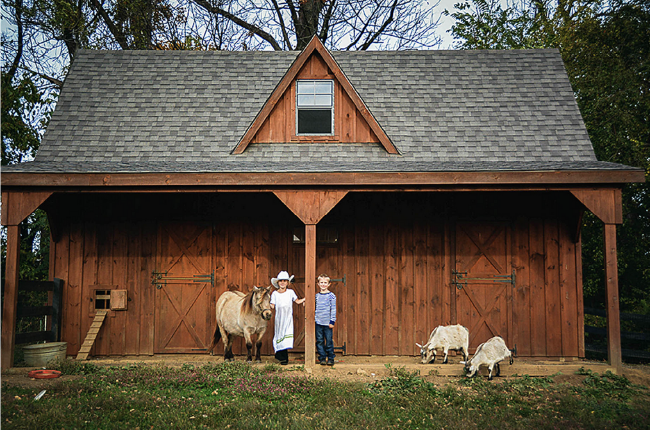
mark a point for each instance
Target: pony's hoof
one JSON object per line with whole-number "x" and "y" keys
{"x": 258, "y": 361}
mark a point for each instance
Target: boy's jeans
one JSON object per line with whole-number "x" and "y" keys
{"x": 323, "y": 332}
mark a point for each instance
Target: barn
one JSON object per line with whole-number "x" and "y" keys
{"x": 434, "y": 187}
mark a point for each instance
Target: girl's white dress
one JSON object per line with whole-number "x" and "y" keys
{"x": 284, "y": 323}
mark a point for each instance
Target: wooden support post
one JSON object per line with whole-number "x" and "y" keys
{"x": 310, "y": 291}
{"x": 11, "y": 296}
{"x": 612, "y": 298}
{"x": 310, "y": 206}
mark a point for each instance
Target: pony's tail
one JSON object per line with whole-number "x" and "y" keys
{"x": 215, "y": 339}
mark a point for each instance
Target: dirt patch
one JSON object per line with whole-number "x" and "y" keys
{"x": 358, "y": 369}
{"x": 366, "y": 369}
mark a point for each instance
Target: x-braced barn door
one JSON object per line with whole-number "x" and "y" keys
{"x": 183, "y": 282}
{"x": 483, "y": 280}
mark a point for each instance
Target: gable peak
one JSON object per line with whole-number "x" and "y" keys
{"x": 315, "y": 48}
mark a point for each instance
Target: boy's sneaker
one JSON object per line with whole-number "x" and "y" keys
{"x": 331, "y": 362}
{"x": 322, "y": 362}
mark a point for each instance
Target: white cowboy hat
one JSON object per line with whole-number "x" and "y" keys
{"x": 282, "y": 276}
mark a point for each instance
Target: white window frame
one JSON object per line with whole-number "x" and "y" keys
{"x": 317, "y": 107}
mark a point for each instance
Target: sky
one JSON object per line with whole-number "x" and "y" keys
{"x": 445, "y": 22}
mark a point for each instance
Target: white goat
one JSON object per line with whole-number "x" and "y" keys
{"x": 453, "y": 337}
{"x": 489, "y": 354}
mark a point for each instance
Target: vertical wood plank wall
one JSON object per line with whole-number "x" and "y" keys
{"x": 393, "y": 249}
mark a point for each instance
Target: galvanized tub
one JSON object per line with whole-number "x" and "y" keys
{"x": 41, "y": 354}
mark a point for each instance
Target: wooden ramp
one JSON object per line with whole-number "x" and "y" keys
{"x": 92, "y": 335}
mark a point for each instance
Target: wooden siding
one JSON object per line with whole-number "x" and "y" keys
{"x": 349, "y": 125}
{"x": 397, "y": 251}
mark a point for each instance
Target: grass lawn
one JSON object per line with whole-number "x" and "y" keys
{"x": 239, "y": 396}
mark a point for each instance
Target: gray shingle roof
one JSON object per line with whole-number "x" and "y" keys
{"x": 182, "y": 111}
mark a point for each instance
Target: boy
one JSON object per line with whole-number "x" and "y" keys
{"x": 325, "y": 315}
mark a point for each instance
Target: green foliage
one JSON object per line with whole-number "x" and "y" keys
{"x": 74, "y": 367}
{"x": 605, "y": 48}
{"x": 400, "y": 380}
{"x": 21, "y": 98}
{"x": 35, "y": 247}
{"x": 484, "y": 24}
{"x": 607, "y": 385}
{"x": 607, "y": 58}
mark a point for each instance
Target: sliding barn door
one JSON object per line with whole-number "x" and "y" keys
{"x": 483, "y": 280}
{"x": 184, "y": 310}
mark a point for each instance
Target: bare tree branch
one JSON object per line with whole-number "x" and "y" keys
{"x": 360, "y": 33}
{"x": 251, "y": 28}
{"x": 115, "y": 31}
{"x": 325, "y": 26}
{"x": 55, "y": 81}
{"x": 292, "y": 11}
{"x": 19, "y": 49}
{"x": 281, "y": 22}
{"x": 371, "y": 38}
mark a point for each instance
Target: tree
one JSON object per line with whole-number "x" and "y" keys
{"x": 485, "y": 24}
{"x": 605, "y": 48}
{"x": 607, "y": 58}
{"x": 20, "y": 102}
{"x": 347, "y": 24}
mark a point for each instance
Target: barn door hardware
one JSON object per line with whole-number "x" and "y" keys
{"x": 341, "y": 348}
{"x": 344, "y": 281}
{"x": 460, "y": 279}
{"x": 160, "y": 278}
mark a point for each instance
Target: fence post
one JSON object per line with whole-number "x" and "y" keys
{"x": 56, "y": 308}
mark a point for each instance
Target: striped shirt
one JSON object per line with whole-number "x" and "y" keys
{"x": 325, "y": 311}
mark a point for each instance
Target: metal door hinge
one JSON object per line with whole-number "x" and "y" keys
{"x": 160, "y": 278}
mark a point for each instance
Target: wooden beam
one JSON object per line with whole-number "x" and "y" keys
{"x": 271, "y": 180}
{"x": 606, "y": 203}
{"x": 310, "y": 291}
{"x": 11, "y": 296}
{"x": 612, "y": 298}
{"x": 16, "y": 206}
{"x": 310, "y": 206}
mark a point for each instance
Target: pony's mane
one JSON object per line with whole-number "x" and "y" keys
{"x": 247, "y": 303}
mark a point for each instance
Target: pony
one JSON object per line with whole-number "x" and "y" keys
{"x": 244, "y": 315}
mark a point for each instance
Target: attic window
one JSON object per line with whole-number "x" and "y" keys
{"x": 315, "y": 107}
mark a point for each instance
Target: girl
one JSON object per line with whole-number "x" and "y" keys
{"x": 281, "y": 301}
